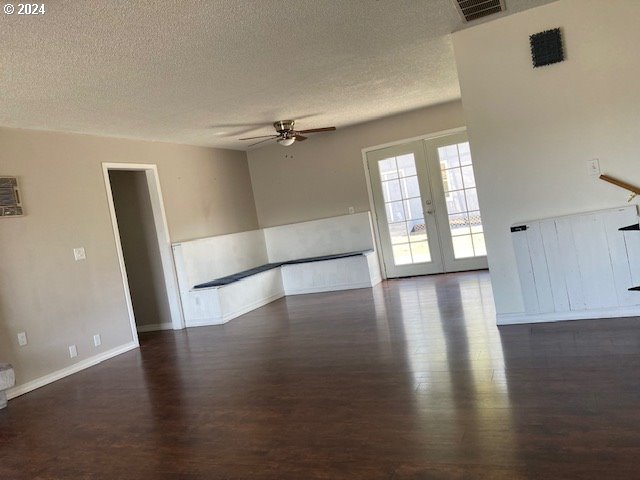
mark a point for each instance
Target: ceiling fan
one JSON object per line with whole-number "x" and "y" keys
{"x": 286, "y": 134}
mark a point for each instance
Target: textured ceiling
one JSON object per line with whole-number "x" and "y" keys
{"x": 187, "y": 71}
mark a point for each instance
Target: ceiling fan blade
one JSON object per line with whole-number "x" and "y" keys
{"x": 262, "y": 141}
{"x": 299, "y": 138}
{"x": 261, "y": 136}
{"x": 316, "y": 130}
{"x": 237, "y": 125}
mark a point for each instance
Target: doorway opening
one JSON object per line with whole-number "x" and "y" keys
{"x": 426, "y": 207}
{"x": 143, "y": 246}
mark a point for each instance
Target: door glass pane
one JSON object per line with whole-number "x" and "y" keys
{"x": 458, "y": 181}
{"x": 391, "y": 191}
{"x": 388, "y": 169}
{"x": 448, "y": 155}
{"x": 417, "y": 230}
{"x": 413, "y": 208}
{"x": 478, "y": 244}
{"x": 410, "y": 187}
{"x": 403, "y": 206}
{"x": 456, "y": 202}
{"x": 459, "y": 224}
{"x": 467, "y": 177}
{"x": 406, "y": 165}
{"x": 475, "y": 221}
{"x": 402, "y": 254}
{"x": 395, "y": 212}
{"x": 398, "y": 232}
{"x": 465, "y": 153}
{"x": 452, "y": 178}
{"x": 472, "y": 199}
{"x": 420, "y": 252}
{"x": 463, "y": 246}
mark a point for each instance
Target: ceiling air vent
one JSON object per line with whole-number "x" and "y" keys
{"x": 474, "y": 9}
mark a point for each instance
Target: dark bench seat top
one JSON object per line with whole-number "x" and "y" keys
{"x": 219, "y": 282}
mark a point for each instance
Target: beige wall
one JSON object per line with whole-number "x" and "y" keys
{"x": 533, "y": 130}
{"x": 60, "y": 302}
{"x": 140, "y": 247}
{"x": 324, "y": 176}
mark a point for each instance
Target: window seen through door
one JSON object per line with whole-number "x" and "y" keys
{"x": 463, "y": 210}
{"x": 403, "y": 206}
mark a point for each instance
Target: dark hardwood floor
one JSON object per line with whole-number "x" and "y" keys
{"x": 409, "y": 380}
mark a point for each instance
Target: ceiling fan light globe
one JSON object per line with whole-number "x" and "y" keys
{"x": 285, "y": 142}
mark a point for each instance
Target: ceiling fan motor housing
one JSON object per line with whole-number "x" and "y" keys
{"x": 284, "y": 125}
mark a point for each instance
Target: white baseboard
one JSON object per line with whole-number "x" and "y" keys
{"x": 70, "y": 370}
{"x": 521, "y": 318}
{"x": 204, "y": 322}
{"x": 154, "y": 327}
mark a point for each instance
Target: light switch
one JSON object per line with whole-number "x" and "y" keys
{"x": 22, "y": 339}
{"x": 79, "y": 254}
{"x": 73, "y": 351}
{"x": 97, "y": 341}
{"x": 593, "y": 167}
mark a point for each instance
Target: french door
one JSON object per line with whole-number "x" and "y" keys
{"x": 427, "y": 207}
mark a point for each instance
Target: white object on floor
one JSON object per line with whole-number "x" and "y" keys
{"x": 7, "y": 380}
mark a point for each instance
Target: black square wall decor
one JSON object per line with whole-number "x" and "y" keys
{"x": 546, "y": 47}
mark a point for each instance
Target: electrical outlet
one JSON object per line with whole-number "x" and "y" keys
{"x": 352, "y": 210}
{"x": 79, "y": 254}
{"x": 73, "y": 351}
{"x": 97, "y": 341}
{"x": 593, "y": 167}
{"x": 22, "y": 339}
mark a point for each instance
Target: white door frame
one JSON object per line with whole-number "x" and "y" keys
{"x": 376, "y": 231}
{"x": 164, "y": 242}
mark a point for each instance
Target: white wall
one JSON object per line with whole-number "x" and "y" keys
{"x": 324, "y": 176}
{"x": 327, "y": 236}
{"x": 60, "y": 302}
{"x": 206, "y": 259}
{"x": 532, "y": 130}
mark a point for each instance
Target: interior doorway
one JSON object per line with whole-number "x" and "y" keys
{"x": 426, "y": 206}
{"x": 143, "y": 246}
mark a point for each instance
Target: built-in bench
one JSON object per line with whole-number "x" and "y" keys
{"x": 219, "y": 282}
{"x": 250, "y": 269}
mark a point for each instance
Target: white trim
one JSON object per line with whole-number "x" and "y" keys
{"x": 70, "y": 370}
{"x": 154, "y": 327}
{"x": 374, "y": 218}
{"x": 164, "y": 241}
{"x": 523, "y": 318}
{"x": 427, "y": 136}
{"x": 367, "y": 176}
{"x": 206, "y": 322}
